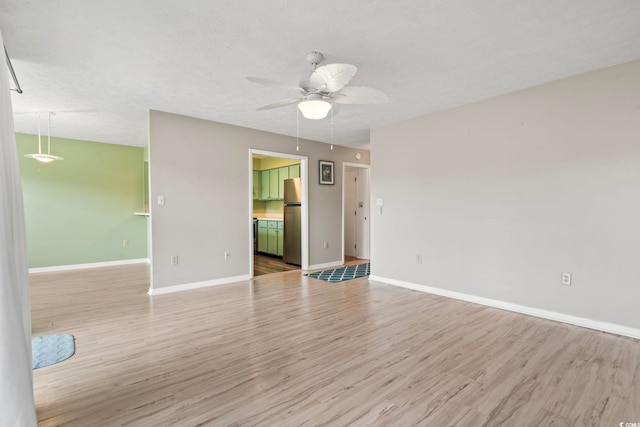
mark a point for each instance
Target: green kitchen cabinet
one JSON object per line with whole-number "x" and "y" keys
{"x": 264, "y": 185}
{"x": 272, "y": 238}
{"x": 273, "y": 185}
{"x": 268, "y": 184}
{"x": 294, "y": 171}
{"x": 257, "y": 189}
{"x": 262, "y": 236}
{"x": 283, "y": 173}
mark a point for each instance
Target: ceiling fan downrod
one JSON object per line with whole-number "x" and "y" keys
{"x": 314, "y": 58}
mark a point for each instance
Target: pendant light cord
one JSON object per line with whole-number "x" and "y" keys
{"x": 39, "y": 136}
{"x": 41, "y": 157}
{"x": 297, "y": 129}
{"x": 49, "y": 133}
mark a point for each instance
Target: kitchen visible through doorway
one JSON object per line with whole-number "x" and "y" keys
{"x": 277, "y": 214}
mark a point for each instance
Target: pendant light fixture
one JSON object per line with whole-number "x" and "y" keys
{"x": 44, "y": 158}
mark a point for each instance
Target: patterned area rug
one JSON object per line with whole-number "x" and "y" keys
{"x": 51, "y": 349}
{"x": 343, "y": 273}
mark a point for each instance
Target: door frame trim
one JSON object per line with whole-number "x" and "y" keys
{"x": 346, "y": 165}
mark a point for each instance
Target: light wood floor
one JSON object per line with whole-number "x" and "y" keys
{"x": 288, "y": 350}
{"x": 263, "y": 264}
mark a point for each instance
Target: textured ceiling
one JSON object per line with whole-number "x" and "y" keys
{"x": 102, "y": 65}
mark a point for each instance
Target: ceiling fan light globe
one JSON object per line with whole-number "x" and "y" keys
{"x": 314, "y": 109}
{"x": 44, "y": 159}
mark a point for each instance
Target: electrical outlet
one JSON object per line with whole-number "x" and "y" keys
{"x": 326, "y": 245}
{"x": 125, "y": 243}
{"x": 227, "y": 255}
{"x": 566, "y": 279}
{"x": 418, "y": 259}
{"x": 174, "y": 260}
{"x": 160, "y": 200}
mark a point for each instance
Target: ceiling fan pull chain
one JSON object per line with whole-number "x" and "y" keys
{"x": 297, "y": 130}
{"x": 331, "y": 111}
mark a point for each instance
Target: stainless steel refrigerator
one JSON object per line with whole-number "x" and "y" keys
{"x": 292, "y": 249}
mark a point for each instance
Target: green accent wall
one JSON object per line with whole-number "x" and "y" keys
{"x": 80, "y": 210}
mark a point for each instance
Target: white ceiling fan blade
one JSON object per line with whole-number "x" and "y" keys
{"x": 271, "y": 83}
{"x": 360, "y": 95}
{"x": 280, "y": 104}
{"x": 332, "y": 77}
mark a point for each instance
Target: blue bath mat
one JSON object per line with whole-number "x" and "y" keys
{"x": 51, "y": 349}
{"x": 343, "y": 273}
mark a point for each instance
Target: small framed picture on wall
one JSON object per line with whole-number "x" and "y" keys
{"x": 326, "y": 172}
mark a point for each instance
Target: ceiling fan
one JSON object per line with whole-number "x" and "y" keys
{"x": 327, "y": 85}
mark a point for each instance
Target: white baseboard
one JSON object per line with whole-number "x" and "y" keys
{"x": 198, "y": 285}
{"x": 537, "y": 312}
{"x": 88, "y": 265}
{"x": 325, "y": 265}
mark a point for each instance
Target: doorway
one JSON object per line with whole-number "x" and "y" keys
{"x": 271, "y": 175}
{"x": 356, "y": 211}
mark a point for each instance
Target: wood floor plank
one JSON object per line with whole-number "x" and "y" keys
{"x": 288, "y": 350}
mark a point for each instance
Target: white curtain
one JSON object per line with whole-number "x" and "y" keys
{"x": 16, "y": 383}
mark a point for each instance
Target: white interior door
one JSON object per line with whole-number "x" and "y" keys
{"x": 356, "y": 211}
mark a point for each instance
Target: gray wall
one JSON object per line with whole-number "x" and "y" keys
{"x": 503, "y": 195}
{"x": 202, "y": 169}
